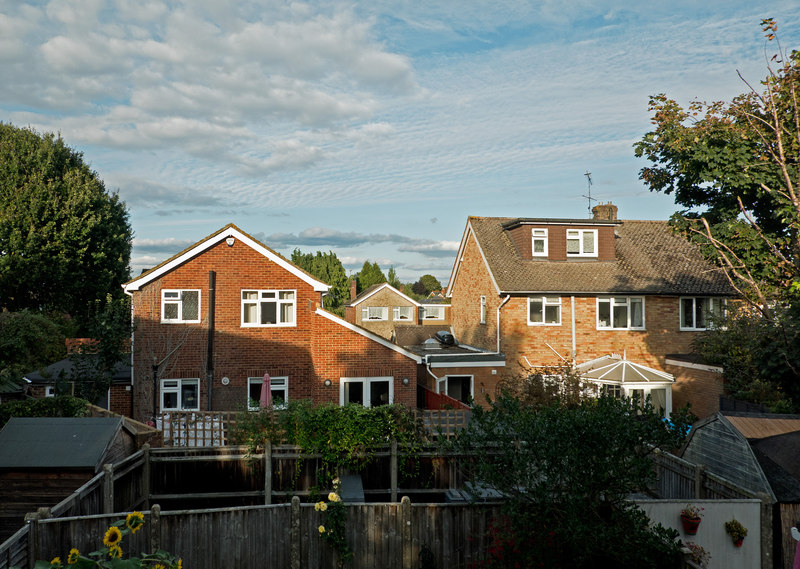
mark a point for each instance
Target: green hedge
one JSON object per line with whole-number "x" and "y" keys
{"x": 61, "y": 406}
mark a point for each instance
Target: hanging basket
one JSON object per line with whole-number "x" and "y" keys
{"x": 738, "y": 542}
{"x": 690, "y": 525}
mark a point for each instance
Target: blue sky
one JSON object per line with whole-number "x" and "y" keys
{"x": 372, "y": 129}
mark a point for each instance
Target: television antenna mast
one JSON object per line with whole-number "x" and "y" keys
{"x": 589, "y": 183}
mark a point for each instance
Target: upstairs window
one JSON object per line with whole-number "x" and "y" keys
{"x": 699, "y": 313}
{"x": 375, "y": 313}
{"x": 544, "y": 310}
{"x": 432, "y": 312}
{"x": 539, "y": 244}
{"x": 581, "y": 242}
{"x": 403, "y": 312}
{"x": 268, "y": 308}
{"x": 620, "y": 313}
{"x": 180, "y": 305}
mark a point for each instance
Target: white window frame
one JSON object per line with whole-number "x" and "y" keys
{"x": 170, "y": 297}
{"x": 708, "y": 300}
{"x": 176, "y": 386}
{"x": 439, "y": 310}
{"x": 579, "y": 235}
{"x": 546, "y": 301}
{"x": 628, "y": 390}
{"x": 539, "y": 234}
{"x": 443, "y": 385}
{"x": 50, "y": 391}
{"x": 397, "y": 315}
{"x": 619, "y": 301}
{"x": 374, "y": 313}
{"x": 260, "y": 299}
{"x": 280, "y": 383}
{"x": 483, "y": 309}
{"x": 367, "y": 384}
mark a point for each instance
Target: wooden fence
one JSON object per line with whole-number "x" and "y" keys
{"x": 217, "y": 428}
{"x": 386, "y": 535}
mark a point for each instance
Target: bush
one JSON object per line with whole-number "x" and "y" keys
{"x": 61, "y": 406}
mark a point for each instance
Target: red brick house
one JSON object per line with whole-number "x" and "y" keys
{"x": 381, "y": 308}
{"x": 550, "y": 292}
{"x": 210, "y": 321}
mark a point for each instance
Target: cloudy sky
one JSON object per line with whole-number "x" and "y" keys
{"x": 372, "y": 129}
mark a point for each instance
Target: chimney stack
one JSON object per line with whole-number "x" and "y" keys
{"x": 604, "y": 212}
{"x": 353, "y": 289}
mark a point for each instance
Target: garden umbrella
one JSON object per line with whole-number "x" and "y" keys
{"x": 266, "y": 392}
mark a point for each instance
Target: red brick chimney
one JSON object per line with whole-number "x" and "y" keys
{"x": 353, "y": 289}
{"x": 605, "y": 212}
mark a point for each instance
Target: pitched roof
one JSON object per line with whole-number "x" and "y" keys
{"x": 373, "y": 289}
{"x": 229, "y": 230}
{"x": 762, "y": 425}
{"x": 649, "y": 259}
{"x": 64, "y": 368}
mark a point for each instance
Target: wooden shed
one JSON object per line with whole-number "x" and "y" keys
{"x": 43, "y": 460}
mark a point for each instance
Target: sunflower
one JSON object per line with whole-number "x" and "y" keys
{"x": 72, "y": 558}
{"x": 179, "y": 564}
{"x": 158, "y": 566}
{"x": 113, "y": 536}
{"x": 134, "y": 521}
{"x": 55, "y": 563}
{"x": 115, "y": 552}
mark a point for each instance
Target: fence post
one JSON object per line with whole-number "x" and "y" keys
{"x": 108, "y": 488}
{"x": 155, "y": 527}
{"x": 405, "y": 517}
{"x": 268, "y": 473}
{"x": 146, "y": 474}
{"x": 393, "y": 469}
{"x": 699, "y": 477}
{"x": 294, "y": 534}
{"x": 32, "y": 520}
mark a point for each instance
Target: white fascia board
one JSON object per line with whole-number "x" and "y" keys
{"x": 367, "y": 334}
{"x": 380, "y": 288}
{"x": 460, "y": 257}
{"x": 214, "y": 240}
{"x": 690, "y": 365}
{"x": 467, "y": 364}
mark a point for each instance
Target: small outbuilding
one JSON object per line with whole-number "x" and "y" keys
{"x": 44, "y": 459}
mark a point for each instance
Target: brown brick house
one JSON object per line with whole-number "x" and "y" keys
{"x": 210, "y": 321}
{"x": 550, "y": 292}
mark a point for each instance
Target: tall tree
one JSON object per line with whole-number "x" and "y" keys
{"x": 391, "y": 278}
{"x": 734, "y": 166}
{"x": 28, "y": 341}
{"x": 369, "y": 275}
{"x": 329, "y": 269}
{"x": 64, "y": 240}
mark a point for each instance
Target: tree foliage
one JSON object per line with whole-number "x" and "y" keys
{"x": 64, "y": 240}
{"x": 61, "y": 406}
{"x": 734, "y": 167}
{"x": 567, "y": 472}
{"x": 370, "y": 274}
{"x": 329, "y": 269}
{"x": 28, "y": 341}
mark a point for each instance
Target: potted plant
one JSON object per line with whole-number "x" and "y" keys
{"x": 690, "y": 518}
{"x": 736, "y": 530}
{"x": 698, "y": 555}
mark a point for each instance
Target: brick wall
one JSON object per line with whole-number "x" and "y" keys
{"x": 313, "y": 350}
{"x": 700, "y": 385}
{"x": 390, "y": 299}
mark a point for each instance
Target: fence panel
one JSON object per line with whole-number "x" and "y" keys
{"x": 14, "y": 550}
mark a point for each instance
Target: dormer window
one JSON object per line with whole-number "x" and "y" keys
{"x": 539, "y": 244}
{"x": 581, "y": 242}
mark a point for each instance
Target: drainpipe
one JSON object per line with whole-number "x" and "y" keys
{"x": 506, "y": 299}
{"x": 212, "y": 281}
{"x": 574, "y": 342}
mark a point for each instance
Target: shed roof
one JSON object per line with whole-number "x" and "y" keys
{"x": 649, "y": 259}
{"x": 56, "y": 442}
{"x": 762, "y": 425}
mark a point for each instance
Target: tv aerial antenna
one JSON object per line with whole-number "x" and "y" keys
{"x": 589, "y": 195}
